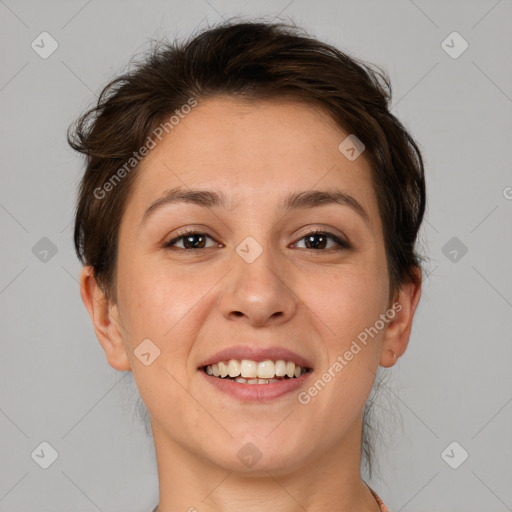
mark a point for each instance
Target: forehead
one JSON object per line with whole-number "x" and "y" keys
{"x": 253, "y": 151}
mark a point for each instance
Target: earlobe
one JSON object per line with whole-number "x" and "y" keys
{"x": 105, "y": 319}
{"x": 397, "y": 334}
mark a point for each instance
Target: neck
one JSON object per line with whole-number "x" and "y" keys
{"x": 332, "y": 481}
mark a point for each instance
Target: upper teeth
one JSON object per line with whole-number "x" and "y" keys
{"x": 251, "y": 369}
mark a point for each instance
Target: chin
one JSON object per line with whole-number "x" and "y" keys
{"x": 258, "y": 452}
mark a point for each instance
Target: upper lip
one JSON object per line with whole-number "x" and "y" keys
{"x": 256, "y": 354}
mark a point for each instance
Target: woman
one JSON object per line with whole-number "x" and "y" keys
{"x": 247, "y": 223}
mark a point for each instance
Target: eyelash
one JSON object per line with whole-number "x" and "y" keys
{"x": 343, "y": 245}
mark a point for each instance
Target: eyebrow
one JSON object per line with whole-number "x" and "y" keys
{"x": 295, "y": 200}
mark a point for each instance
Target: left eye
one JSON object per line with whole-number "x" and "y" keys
{"x": 319, "y": 240}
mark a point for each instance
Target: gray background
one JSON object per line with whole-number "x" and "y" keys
{"x": 453, "y": 384}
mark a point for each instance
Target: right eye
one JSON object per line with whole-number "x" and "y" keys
{"x": 190, "y": 240}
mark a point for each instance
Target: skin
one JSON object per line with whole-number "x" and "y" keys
{"x": 312, "y": 301}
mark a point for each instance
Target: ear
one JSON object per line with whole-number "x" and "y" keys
{"x": 398, "y": 331}
{"x": 105, "y": 318}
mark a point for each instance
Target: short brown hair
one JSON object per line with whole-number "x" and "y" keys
{"x": 254, "y": 60}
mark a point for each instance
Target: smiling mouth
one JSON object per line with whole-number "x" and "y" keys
{"x": 247, "y": 371}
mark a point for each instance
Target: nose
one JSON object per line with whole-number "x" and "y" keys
{"x": 259, "y": 293}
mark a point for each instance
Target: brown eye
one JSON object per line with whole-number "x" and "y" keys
{"x": 190, "y": 240}
{"x": 318, "y": 240}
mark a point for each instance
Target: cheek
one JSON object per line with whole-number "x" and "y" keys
{"x": 161, "y": 307}
{"x": 348, "y": 305}
{"x": 155, "y": 297}
{"x": 346, "y": 310}
{"x": 166, "y": 305}
{"x": 348, "y": 299}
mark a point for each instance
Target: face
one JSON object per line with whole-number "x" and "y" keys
{"x": 251, "y": 274}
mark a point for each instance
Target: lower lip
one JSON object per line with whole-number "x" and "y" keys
{"x": 256, "y": 392}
